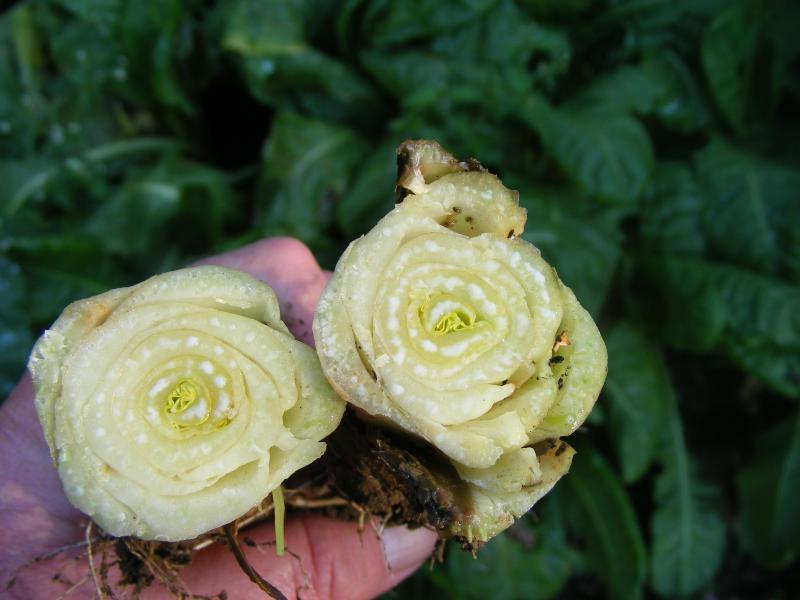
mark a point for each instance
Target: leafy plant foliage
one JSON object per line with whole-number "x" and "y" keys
{"x": 654, "y": 145}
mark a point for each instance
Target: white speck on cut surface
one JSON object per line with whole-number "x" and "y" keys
{"x": 152, "y": 415}
{"x": 232, "y": 364}
{"x": 535, "y": 273}
{"x": 546, "y": 312}
{"x": 394, "y": 304}
{"x": 486, "y": 194}
{"x": 223, "y": 404}
{"x": 515, "y": 259}
{"x": 420, "y": 370}
{"x": 197, "y": 411}
{"x": 214, "y": 322}
{"x": 455, "y": 349}
{"x": 522, "y": 321}
{"x": 100, "y": 432}
{"x": 432, "y": 246}
{"x": 129, "y": 416}
{"x": 168, "y": 343}
{"x": 159, "y": 386}
{"x": 78, "y": 491}
{"x": 396, "y": 389}
{"x": 429, "y": 346}
{"x": 100, "y": 398}
{"x": 206, "y": 367}
{"x": 192, "y": 341}
{"x": 399, "y": 357}
{"x": 146, "y": 353}
{"x": 250, "y": 337}
{"x": 141, "y": 438}
{"x": 393, "y": 324}
{"x": 475, "y": 292}
{"x": 218, "y": 350}
{"x": 220, "y": 381}
{"x": 206, "y": 449}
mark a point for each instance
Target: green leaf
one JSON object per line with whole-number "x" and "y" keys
{"x": 504, "y": 568}
{"x": 678, "y": 100}
{"x": 307, "y": 168}
{"x": 15, "y": 337}
{"x": 59, "y": 269}
{"x": 600, "y": 513}
{"x": 628, "y": 89}
{"x": 281, "y": 68}
{"x": 752, "y": 209}
{"x": 769, "y": 487}
{"x": 606, "y": 154}
{"x": 729, "y": 51}
{"x": 687, "y": 530}
{"x": 580, "y": 241}
{"x": 637, "y": 390}
{"x": 369, "y": 197}
{"x": 751, "y": 317}
{"x": 671, "y": 211}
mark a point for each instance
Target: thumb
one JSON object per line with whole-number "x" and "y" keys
{"x": 324, "y": 560}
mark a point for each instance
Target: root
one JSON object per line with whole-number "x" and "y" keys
{"x": 231, "y": 533}
{"x": 92, "y": 570}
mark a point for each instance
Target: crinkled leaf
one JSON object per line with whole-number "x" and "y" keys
{"x": 142, "y": 215}
{"x": 730, "y": 48}
{"x": 671, "y": 211}
{"x": 757, "y": 314}
{"x": 769, "y": 487}
{"x": 282, "y": 69}
{"x": 368, "y": 198}
{"x": 678, "y": 101}
{"x": 687, "y": 529}
{"x": 607, "y": 154}
{"x": 307, "y": 168}
{"x": 637, "y": 390}
{"x": 600, "y": 513}
{"x": 584, "y": 245}
{"x": 387, "y": 23}
{"x": 752, "y": 209}
{"x": 59, "y": 269}
{"x": 505, "y": 568}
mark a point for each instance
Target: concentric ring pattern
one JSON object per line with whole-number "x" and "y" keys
{"x": 176, "y": 406}
{"x": 444, "y": 323}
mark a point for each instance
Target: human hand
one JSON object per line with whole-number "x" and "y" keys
{"x": 332, "y": 559}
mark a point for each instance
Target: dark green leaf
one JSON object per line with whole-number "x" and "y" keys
{"x": 678, "y": 101}
{"x": 282, "y": 69}
{"x": 757, "y": 314}
{"x": 671, "y": 212}
{"x": 370, "y": 196}
{"x": 506, "y": 569}
{"x": 581, "y": 242}
{"x": 729, "y": 51}
{"x": 308, "y": 166}
{"x": 687, "y": 529}
{"x": 769, "y": 488}
{"x": 752, "y": 209}
{"x": 607, "y": 154}
{"x": 637, "y": 389}
{"x": 600, "y": 513}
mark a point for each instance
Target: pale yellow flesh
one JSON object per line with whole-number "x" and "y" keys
{"x": 177, "y": 405}
{"x": 443, "y": 323}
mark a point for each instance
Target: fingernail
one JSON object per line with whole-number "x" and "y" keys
{"x": 406, "y": 548}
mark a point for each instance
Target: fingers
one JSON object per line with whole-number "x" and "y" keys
{"x": 289, "y": 268}
{"x": 324, "y": 560}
